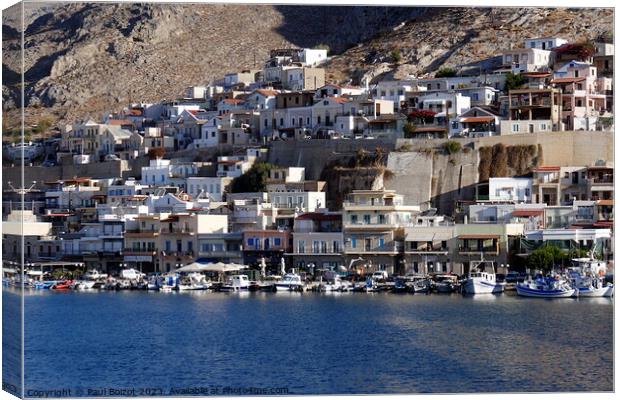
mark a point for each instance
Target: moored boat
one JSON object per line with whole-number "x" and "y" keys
{"x": 483, "y": 279}
{"x": 289, "y": 283}
{"x": 236, "y": 283}
{"x": 550, "y": 288}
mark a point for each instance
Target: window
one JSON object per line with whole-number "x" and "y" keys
{"x": 277, "y": 241}
{"x": 381, "y": 243}
{"x": 251, "y": 242}
{"x": 354, "y": 219}
{"x": 367, "y": 219}
{"x": 515, "y": 127}
{"x": 354, "y": 243}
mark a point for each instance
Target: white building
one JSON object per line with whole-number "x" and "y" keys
{"x": 211, "y": 187}
{"x": 394, "y": 91}
{"x": 527, "y": 60}
{"x": 312, "y": 57}
{"x": 159, "y": 172}
{"x": 510, "y": 189}
{"x": 546, "y": 43}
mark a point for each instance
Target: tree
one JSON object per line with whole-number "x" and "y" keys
{"x": 514, "y": 81}
{"x": 253, "y": 180}
{"x": 452, "y": 146}
{"x": 409, "y": 129}
{"x": 546, "y": 258}
{"x": 324, "y": 46}
{"x": 396, "y": 56}
{"x": 424, "y": 116}
{"x": 445, "y": 73}
{"x": 580, "y": 51}
{"x": 156, "y": 153}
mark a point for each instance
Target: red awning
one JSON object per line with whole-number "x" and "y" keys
{"x": 477, "y": 119}
{"x": 526, "y": 213}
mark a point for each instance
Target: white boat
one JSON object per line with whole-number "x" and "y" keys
{"x": 131, "y": 274}
{"x": 194, "y": 281}
{"x": 166, "y": 288}
{"x": 335, "y": 284}
{"x": 482, "y": 279}
{"x": 587, "y": 275}
{"x": 236, "y": 283}
{"x": 549, "y": 288}
{"x": 290, "y": 282}
{"x": 84, "y": 285}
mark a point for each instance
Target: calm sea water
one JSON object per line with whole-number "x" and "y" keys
{"x": 177, "y": 343}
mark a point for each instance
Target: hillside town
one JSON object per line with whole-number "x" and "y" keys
{"x": 195, "y": 184}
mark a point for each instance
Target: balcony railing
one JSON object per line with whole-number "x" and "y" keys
{"x": 488, "y": 249}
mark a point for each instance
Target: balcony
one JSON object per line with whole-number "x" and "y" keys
{"x": 177, "y": 231}
{"x": 373, "y": 226}
{"x": 361, "y": 248}
{"x": 425, "y": 250}
{"x": 478, "y": 250}
{"x": 139, "y": 252}
{"x": 141, "y": 233}
{"x": 221, "y": 254}
{"x": 173, "y": 254}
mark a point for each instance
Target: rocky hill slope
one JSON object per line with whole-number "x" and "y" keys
{"x": 87, "y": 59}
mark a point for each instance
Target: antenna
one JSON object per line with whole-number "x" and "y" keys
{"x": 23, "y": 191}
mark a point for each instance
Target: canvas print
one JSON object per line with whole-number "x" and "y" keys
{"x": 211, "y": 199}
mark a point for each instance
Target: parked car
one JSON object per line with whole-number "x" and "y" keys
{"x": 111, "y": 157}
{"x": 380, "y": 275}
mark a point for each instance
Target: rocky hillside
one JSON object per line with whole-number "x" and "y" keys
{"x": 467, "y": 39}
{"x": 87, "y": 59}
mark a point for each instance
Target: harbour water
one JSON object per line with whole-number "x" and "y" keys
{"x": 265, "y": 343}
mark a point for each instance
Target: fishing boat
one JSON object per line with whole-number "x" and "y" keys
{"x": 446, "y": 283}
{"x": 236, "y": 283}
{"x": 550, "y": 287}
{"x": 290, "y": 282}
{"x": 335, "y": 284}
{"x": 84, "y": 285}
{"x": 588, "y": 276}
{"x": 400, "y": 286}
{"x": 421, "y": 286}
{"x": 483, "y": 279}
{"x": 194, "y": 281}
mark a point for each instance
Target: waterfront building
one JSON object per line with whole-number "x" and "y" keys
{"x": 428, "y": 248}
{"x": 270, "y": 244}
{"x": 23, "y": 230}
{"x": 165, "y": 241}
{"x": 373, "y": 222}
{"x": 317, "y": 241}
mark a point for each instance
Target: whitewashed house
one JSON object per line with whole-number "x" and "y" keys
{"x": 510, "y": 189}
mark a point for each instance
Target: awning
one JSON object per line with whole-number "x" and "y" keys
{"x": 477, "y": 119}
{"x": 428, "y": 236}
{"x": 526, "y": 213}
{"x": 211, "y": 267}
{"x": 481, "y": 236}
{"x": 567, "y": 80}
{"x": 605, "y": 202}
